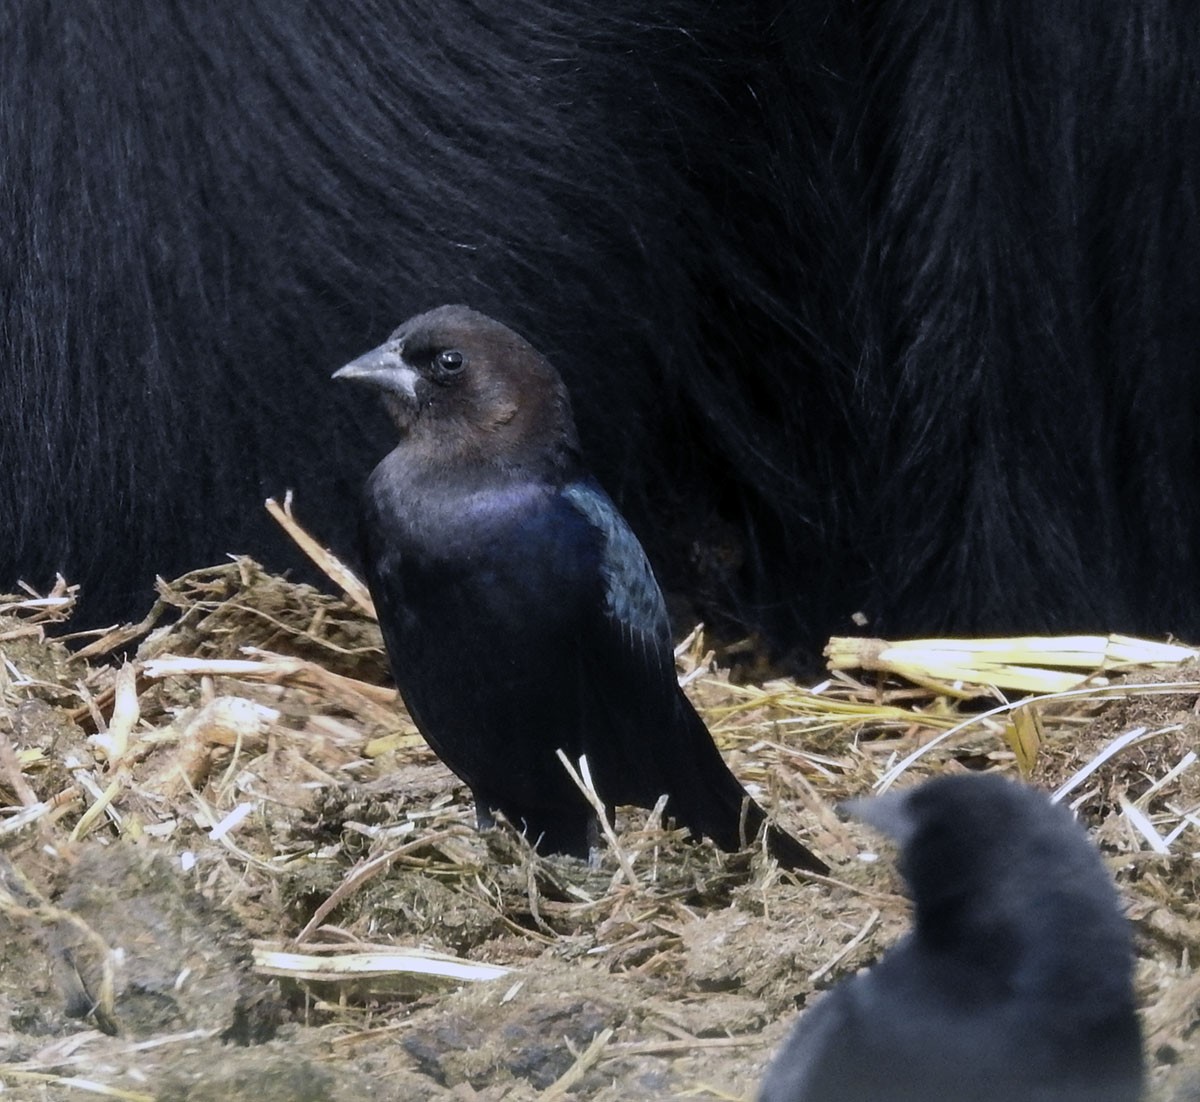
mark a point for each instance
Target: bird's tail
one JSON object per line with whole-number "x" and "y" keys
{"x": 790, "y": 853}
{"x": 715, "y": 805}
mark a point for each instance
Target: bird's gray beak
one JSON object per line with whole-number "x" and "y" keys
{"x": 890, "y": 814}
{"x": 384, "y": 369}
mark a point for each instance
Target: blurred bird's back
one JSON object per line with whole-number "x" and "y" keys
{"x": 1015, "y": 984}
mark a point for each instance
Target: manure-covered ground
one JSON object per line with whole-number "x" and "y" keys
{"x": 231, "y": 870}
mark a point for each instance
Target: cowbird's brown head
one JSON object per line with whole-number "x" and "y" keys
{"x": 458, "y": 384}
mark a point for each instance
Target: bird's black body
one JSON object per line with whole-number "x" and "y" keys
{"x": 1015, "y": 984}
{"x": 520, "y": 612}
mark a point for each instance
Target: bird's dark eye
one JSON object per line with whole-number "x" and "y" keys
{"x": 449, "y": 362}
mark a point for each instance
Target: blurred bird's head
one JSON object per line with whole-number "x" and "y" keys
{"x": 458, "y": 383}
{"x": 992, "y": 862}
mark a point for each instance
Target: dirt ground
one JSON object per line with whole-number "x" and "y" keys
{"x": 230, "y": 869}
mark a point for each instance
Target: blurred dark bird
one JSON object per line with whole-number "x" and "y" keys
{"x": 520, "y": 612}
{"x": 1015, "y": 983}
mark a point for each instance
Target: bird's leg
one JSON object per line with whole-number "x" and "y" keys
{"x": 484, "y": 808}
{"x": 593, "y": 842}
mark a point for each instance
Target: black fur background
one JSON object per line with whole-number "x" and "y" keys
{"x": 891, "y": 306}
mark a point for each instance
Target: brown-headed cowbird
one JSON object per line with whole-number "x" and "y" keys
{"x": 1015, "y": 983}
{"x": 520, "y": 613}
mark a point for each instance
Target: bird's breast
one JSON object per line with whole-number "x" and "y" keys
{"x": 494, "y": 556}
